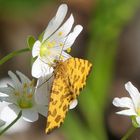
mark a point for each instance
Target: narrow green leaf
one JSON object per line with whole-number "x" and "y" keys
{"x": 40, "y": 38}
{"x": 30, "y": 42}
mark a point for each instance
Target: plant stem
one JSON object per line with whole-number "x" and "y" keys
{"x": 129, "y": 133}
{"x": 12, "y": 54}
{"x": 11, "y": 124}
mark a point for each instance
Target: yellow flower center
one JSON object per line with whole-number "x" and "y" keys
{"x": 23, "y": 103}
{"x": 25, "y": 99}
{"x": 45, "y": 48}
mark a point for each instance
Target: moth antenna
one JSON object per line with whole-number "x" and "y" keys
{"x": 45, "y": 62}
{"x": 63, "y": 48}
{"x": 45, "y": 81}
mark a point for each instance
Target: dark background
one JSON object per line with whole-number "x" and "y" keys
{"x": 110, "y": 40}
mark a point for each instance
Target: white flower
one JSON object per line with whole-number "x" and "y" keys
{"x": 56, "y": 39}
{"x": 20, "y": 96}
{"x": 2, "y": 123}
{"x": 2, "y": 105}
{"x": 132, "y": 104}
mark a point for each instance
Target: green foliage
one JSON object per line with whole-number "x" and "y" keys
{"x": 134, "y": 122}
{"x": 20, "y": 7}
{"x": 106, "y": 25}
{"x": 30, "y": 42}
{"x": 40, "y": 38}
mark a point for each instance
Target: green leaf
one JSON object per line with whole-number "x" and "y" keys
{"x": 30, "y": 42}
{"x": 40, "y": 38}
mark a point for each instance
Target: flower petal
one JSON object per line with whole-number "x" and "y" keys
{"x": 63, "y": 30}
{"x": 15, "y": 108}
{"x": 23, "y": 78}
{"x": 8, "y": 114}
{"x": 36, "y": 48}
{"x": 65, "y": 56}
{"x": 123, "y": 102}
{"x": 128, "y": 112}
{"x": 3, "y": 105}
{"x": 56, "y": 21}
{"x": 43, "y": 110}
{"x": 15, "y": 80}
{"x": 30, "y": 115}
{"x": 2, "y": 123}
{"x": 9, "y": 99}
{"x": 6, "y": 90}
{"x": 40, "y": 68}
{"x": 73, "y": 104}
{"x": 72, "y": 36}
{"x": 42, "y": 92}
{"x": 134, "y": 93}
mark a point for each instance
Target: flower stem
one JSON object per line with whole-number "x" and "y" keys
{"x": 11, "y": 124}
{"x": 12, "y": 54}
{"x": 129, "y": 133}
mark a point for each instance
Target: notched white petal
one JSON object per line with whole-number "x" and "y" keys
{"x": 42, "y": 92}
{"x": 72, "y": 36}
{"x": 127, "y": 112}
{"x": 2, "y": 123}
{"x": 65, "y": 56}
{"x": 39, "y": 69}
{"x": 63, "y": 30}
{"x": 123, "y": 102}
{"x": 15, "y": 108}
{"x": 11, "y": 114}
{"x": 30, "y": 115}
{"x": 43, "y": 110}
{"x": 56, "y": 21}
{"x": 15, "y": 80}
{"x": 134, "y": 93}
{"x": 23, "y": 78}
{"x": 36, "y": 48}
{"x": 36, "y": 68}
{"x": 6, "y": 90}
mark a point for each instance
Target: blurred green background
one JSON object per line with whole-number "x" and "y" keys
{"x": 110, "y": 40}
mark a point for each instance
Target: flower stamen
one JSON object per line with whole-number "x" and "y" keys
{"x": 69, "y": 50}
{"x": 61, "y": 44}
{"x": 60, "y": 33}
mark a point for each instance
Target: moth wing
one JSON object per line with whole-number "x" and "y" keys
{"x": 78, "y": 70}
{"x": 59, "y": 102}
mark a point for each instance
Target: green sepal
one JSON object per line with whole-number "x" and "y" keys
{"x": 30, "y": 41}
{"x": 134, "y": 122}
{"x": 40, "y": 38}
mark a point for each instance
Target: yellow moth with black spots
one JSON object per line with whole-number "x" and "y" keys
{"x": 69, "y": 79}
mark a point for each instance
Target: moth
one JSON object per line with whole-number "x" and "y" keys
{"x": 69, "y": 79}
